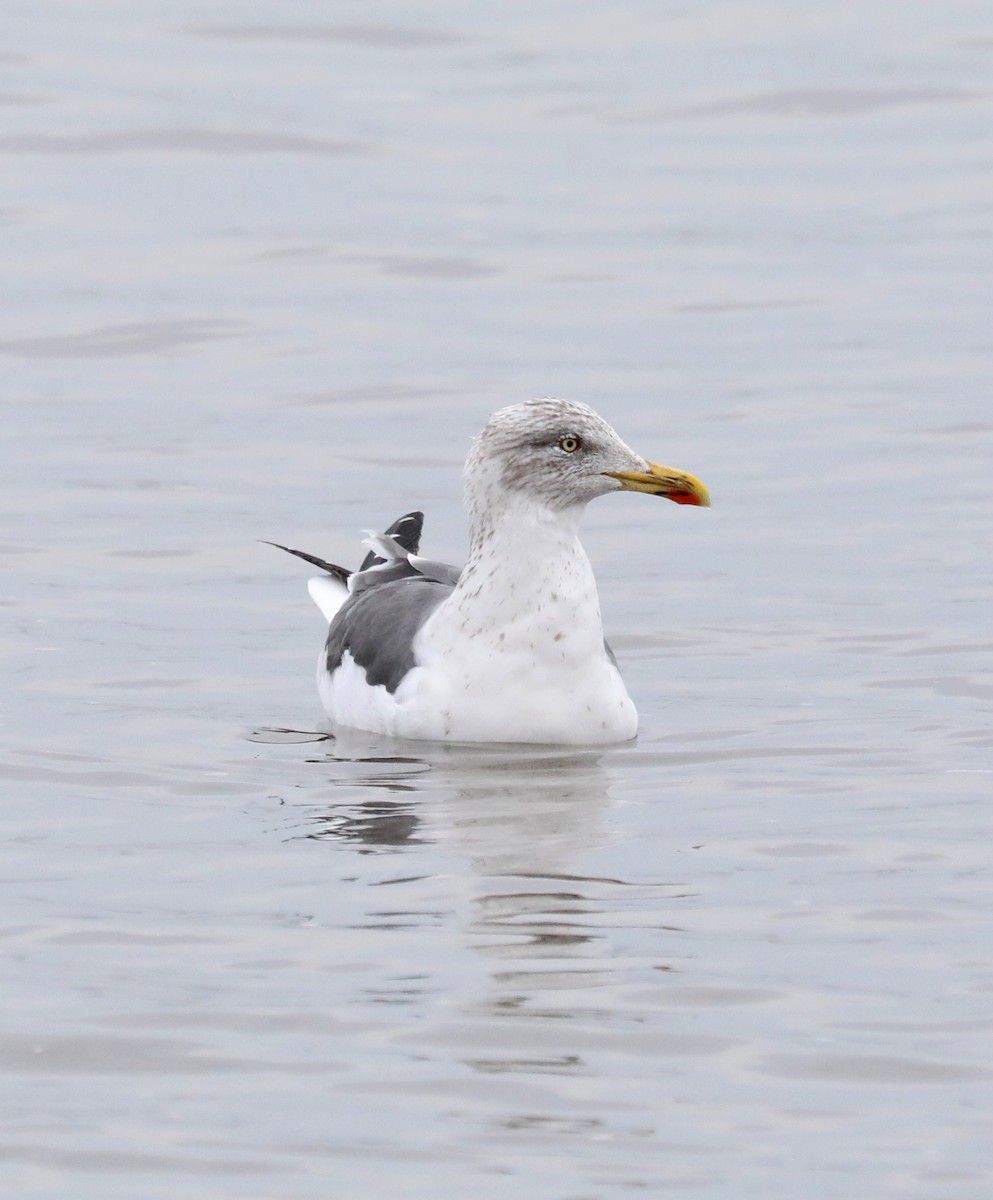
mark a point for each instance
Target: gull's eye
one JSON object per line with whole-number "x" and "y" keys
{"x": 570, "y": 443}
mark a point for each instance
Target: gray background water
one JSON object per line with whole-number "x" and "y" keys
{"x": 266, "y": 270}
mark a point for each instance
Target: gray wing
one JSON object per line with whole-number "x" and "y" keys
{"x": 377, "y": 624}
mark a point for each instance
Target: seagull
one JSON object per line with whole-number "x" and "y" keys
{"x": 511, "y": 647}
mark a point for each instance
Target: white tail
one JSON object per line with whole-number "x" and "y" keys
{"x": 328, "y": 593}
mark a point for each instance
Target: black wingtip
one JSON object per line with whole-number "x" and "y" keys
{"x": 406, "y": 530}
{"x": 339, "y": 573}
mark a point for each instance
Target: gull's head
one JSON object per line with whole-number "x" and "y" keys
{"x": 560, "y": 455}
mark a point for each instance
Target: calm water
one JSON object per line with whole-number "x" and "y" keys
{"x": 264, "y": 277}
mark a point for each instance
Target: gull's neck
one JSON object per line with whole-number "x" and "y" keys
{"x": 527, "y": 570}
{"x": 512, "y": 525}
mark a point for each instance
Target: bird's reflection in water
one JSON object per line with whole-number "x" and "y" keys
{"x": 529, "y": 822}
{"x": 529, "y": 841}
{"x": 382, "y": 808}
{"x": 376, "y": 824}
{"x": 512, "y": 810}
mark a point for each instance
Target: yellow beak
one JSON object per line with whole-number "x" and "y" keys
{"x": 664, "y": 481}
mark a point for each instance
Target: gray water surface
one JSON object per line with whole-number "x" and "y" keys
{"x": 266, "y": 272}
